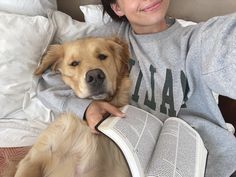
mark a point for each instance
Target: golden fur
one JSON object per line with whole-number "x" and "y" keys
{"x": 67, "y": 148}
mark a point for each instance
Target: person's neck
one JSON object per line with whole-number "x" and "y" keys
{"x": 138, "y": 29}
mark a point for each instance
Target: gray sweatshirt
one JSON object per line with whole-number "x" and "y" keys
{"x": 174, "y": 73}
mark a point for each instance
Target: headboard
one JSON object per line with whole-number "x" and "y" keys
{"x": 193, "y": 10}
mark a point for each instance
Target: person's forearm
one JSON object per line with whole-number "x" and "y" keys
{"x": 58, "y": 97}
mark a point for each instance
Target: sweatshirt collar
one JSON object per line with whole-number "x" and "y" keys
{"x": 157, "y": 36}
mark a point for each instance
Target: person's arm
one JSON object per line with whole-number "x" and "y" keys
{"x": 58, "y": 97}
{"x": 218, "y": 50}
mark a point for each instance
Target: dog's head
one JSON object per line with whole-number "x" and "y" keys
{"x": 93, "y": 67}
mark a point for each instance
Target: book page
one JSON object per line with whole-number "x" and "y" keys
{"x": 139, "y": 132}
{"x": 179, "y": 152}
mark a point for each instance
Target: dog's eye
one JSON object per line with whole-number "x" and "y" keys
{"x": 74, "y": 63}
{"x": 102, "y": 56}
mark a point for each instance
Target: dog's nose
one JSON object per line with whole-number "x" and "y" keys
{"x": 95, "y": 77}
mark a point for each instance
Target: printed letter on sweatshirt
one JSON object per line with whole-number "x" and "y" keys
{"x": 167, "y": 95}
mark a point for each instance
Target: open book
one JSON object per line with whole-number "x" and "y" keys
{"x": 156, "y": 149}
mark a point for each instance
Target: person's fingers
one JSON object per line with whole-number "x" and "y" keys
{"x": 93, "y": 120}
{"x": 93, "y": 130}
{"x": 99, "y": 110}
{"x": 113, "y": 110}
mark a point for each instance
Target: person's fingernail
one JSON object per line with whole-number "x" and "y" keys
{"x": 94, "y": 131}
{"x": 122, "y": 114}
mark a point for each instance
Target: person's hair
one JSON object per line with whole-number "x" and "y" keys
{"x": 107, "y": 9}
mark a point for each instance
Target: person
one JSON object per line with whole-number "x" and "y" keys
{"x": 174, "y": 70}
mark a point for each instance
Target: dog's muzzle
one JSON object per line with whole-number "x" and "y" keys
{"x": 95, "y": 80}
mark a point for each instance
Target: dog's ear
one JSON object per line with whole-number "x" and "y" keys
{"x": 121, "y": 49}
{"x": 51, "y": 59}
{"x": 124, "y": 47}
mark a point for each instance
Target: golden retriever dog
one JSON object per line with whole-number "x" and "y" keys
{"x": 95, "y": 68}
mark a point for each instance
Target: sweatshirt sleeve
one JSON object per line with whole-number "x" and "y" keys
{"x": 58, "y": 97}
{"x": 218, "y": 53}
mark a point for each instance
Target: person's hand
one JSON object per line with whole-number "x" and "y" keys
{"x": 99, "y": 109}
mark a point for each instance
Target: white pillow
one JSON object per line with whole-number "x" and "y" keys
{"x": 186, "y": 23}
{"x": 94, "y": 14}
{"x": 28, "y": 7}
{"x": 23, "y": 41}
{"x": 69, "y": 29}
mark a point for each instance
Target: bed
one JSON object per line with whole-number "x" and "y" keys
{"x": 22, "y": 115}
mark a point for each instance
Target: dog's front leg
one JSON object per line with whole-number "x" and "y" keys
{"x": 50, "y": 150}
{"x": 56, "y": 151}
{"x": 29, "y": 167}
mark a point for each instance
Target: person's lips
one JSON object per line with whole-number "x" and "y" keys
{"x": 152, "y": 6}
